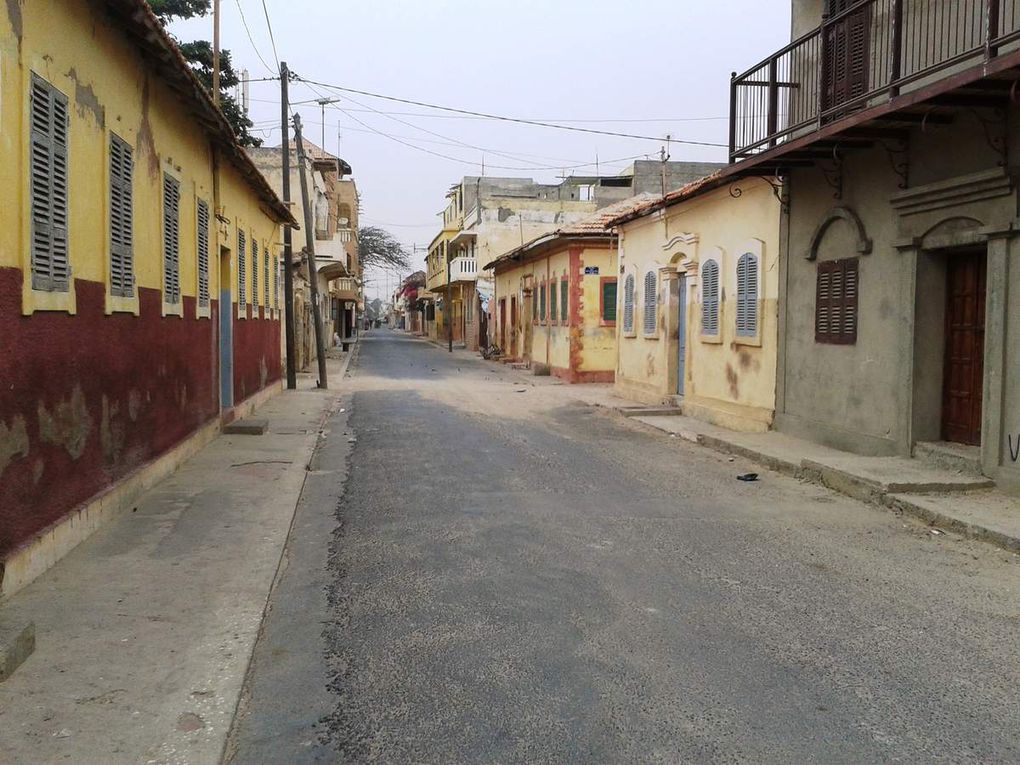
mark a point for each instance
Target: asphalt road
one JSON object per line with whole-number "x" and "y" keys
{"x": 485, "y": 570}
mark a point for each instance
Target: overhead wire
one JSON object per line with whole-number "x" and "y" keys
{"x": 503, "y": 118}
{"x": 272, "y": 38}
{"x": 255, "y": 47}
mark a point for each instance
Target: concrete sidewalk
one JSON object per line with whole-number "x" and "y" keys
{"x": 144, "y": 632}
{"x": 949, "y": 499}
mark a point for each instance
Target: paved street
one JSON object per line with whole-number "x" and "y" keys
{"x": 485, "y": 569}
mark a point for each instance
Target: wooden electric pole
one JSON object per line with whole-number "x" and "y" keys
{"x": 216, "y": 53}
{"x": 288, "y": 246}
{"x": 313, "y": 273}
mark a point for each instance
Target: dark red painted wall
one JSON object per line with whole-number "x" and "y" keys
{"x": 99, "y": 396}
{"x": 257, "y": 359}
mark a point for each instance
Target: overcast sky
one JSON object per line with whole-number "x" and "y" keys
{"x": 645, "y": 67}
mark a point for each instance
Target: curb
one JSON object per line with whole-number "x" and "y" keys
{"x": 857, "y": 488}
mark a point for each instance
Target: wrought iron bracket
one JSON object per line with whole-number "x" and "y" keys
{"x": 898, "y": 153}
{"x": 998, "y": 141}
{"x": 834, "y": 175}
{"x": 777, "y": 191}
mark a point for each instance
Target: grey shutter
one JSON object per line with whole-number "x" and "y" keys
{"x": 122, "y": 277}
{"x": 651, "y": 299}
{"x": 747, "y": 295}
{"x": 265, "y": 271}
{"x": 203, "y": 253}
{"x": 628, "y": 303}
{"x": 255, "y": 276}
{"x": 710, "y": 298}
{"x": 171, "y": 240}
{"x": 51, "y": 268}
{"x": 242, "y": 282}
{"x": 276, "y": 285}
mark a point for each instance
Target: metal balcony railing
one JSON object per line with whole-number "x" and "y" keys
{"x": 871, "y": 52}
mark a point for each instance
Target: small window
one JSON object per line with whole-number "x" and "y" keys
{"x": 836, "y": 302}
{"x": 265, "y": 273}
{"x": 541, "y": 302}
{"x": 710, "y": 298}
{"x": 171, "y": 240}
{"x": 553, "y": 302}
{"x": 48, "y": 183}
{"x": 255, "y": 277}
{"x": 651, "y": 302}
{"x": 564, "y": 301}
{"x": 203, "y": 253}
{"x": 747, "y": 295}
{"x": 242, "y": 280}
{"x": 608, "y": 300}
{"x": 122, "y": 270}
{"x": 628, "y": 303}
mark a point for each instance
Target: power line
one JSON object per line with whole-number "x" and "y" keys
{"x": 244, "y": 22}
{"x": 501, "y": 118}
{"x": 272, "y": 39}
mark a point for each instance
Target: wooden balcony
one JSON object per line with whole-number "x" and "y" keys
{"x": 870, "y": 72}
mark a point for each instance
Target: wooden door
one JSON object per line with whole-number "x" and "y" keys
{"x": 502, "y": 324}
{"x": 846, "y": 55}
{"x": 965, "y": 348}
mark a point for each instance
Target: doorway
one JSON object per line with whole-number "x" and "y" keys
{"x": 681, "y": 367}
{"x": 502, "y": 325}
{"x": 963, "y": 376}
{"x": 226, "y": 331}
{"x": 514, "y": 334}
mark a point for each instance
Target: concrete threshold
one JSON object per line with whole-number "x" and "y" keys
{"x": 144, "y": 632}
{"x": 953, "y": 499}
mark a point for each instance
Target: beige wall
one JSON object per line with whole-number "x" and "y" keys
{"x": 729, "y": 380}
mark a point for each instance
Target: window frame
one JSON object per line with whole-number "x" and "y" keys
{"x": 841, "y": 266}
{"x": 35, "y": 297}
{"x": 171, "y": 249}
{"x": 120, "y": 301}
{"x": 203, "y": 310}
{"x": 653, "y": 305}
{"x": 711, "y": 307}
{"x": 603, "y": 281}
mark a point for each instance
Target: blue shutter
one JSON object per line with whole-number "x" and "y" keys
{"x": 710, "y": 298}
{"x": 651, "y": 301}
{"x": 628, "y": 303}
{"x": 747, "y": 295}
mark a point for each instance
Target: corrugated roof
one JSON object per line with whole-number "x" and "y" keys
{"x": 601, "y": 223}
{"x": 135, "y": 19}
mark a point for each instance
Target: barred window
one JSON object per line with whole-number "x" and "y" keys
{"x": 171, "y": 240}
{"x": 122, "y": 269}
{"x": 48, "y": 183}
{"x": 710, "y": 298}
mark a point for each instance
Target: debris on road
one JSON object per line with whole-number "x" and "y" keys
{"x": 748, "y": 477}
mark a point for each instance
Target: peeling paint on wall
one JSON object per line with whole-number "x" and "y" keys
{"x": 69, "y": 425}
{"x": 13, "y": 441}
{"x": 86, "y": 100}
{"x": 145, "y": 142}
{"x": 112, "y": 432}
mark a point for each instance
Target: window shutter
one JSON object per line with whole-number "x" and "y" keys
{"x": 564, "y": 300}
{"x": 255, "y": 276}
{"x": 541, "y": 303}
{"x": 628, "y": 303}
{"x": 203, "y": 253}
{"x": 609, "y": 301}
{"x": 836, "y": 302}
{"x": 171, "y": 240}
{"x": 710, "y": 298}
{"x": 48, "y": 182}
{"x": 265, "y": 273}
{"x": 747, "y": 295}
{"x": 651, "y": 300}
{"x": 553, "y": 301}
{"x": 276, "y": 285}
{"x": 242, "y": 281}
{"x": 122, "y": 280}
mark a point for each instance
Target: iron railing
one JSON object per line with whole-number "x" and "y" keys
{"x": 902, "y": 45}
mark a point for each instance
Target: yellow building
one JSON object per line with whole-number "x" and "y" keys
{"x": 556, "y": 298}
{"x": 131, "y": 217}
{"x": 698, "y": 302}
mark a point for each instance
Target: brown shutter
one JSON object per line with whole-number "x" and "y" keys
{"x": 836, "y": 302}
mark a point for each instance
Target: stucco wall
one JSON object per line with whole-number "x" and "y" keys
{"x": 729, "y": 379}
{"x": 93, "y": 388}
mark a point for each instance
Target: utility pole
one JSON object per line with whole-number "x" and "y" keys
{"x": 313, "y": 272}
{"x": 449, "y": 306}
{"x": 216, "y": 52}
{"x": 288, "y": 253}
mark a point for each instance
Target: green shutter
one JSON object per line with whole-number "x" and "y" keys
{"x": 564, "y": 300}
{"x": 609, "y": 301}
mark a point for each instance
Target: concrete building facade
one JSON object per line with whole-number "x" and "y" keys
{"x": 139, "y": 298}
